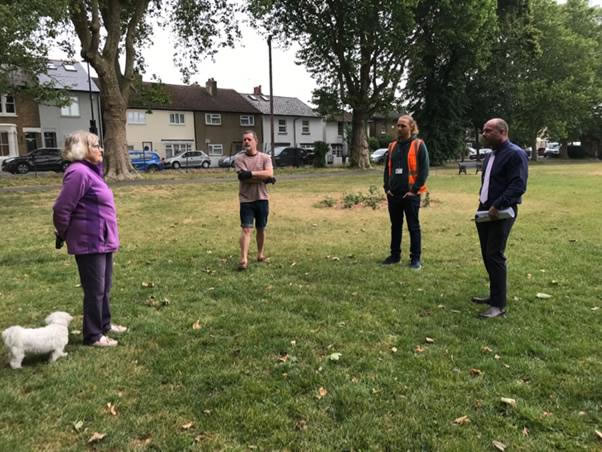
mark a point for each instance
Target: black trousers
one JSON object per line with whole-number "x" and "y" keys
{"x": 493, "y": 236}
{"x": 96, "y": 277}
{"x": 410, "y": 207}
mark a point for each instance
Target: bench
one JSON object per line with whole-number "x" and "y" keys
{"x": 462, "y": 166}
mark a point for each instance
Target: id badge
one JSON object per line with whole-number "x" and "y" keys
{"x": 398, "y": 171}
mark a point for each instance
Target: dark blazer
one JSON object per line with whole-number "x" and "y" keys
{"x": 508, "y": 179}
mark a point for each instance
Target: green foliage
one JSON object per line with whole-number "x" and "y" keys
{"x": 384, "y": 140}
{"x": 373, "y": 143}
{"x": 320, "y": 151}
{"x": 373, "y": 198}
{"x": 326, "y": 202}
{"x": 28, "y": 29}
{"x": 449, "y": 45}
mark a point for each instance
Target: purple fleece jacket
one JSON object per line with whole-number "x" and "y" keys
{"x": 84, "y": 212}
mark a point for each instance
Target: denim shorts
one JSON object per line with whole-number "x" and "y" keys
{"x": 256, "y": 210}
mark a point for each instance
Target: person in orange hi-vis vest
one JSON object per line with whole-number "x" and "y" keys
{"x": 406, "y": 170}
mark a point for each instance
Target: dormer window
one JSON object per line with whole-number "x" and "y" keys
{"x": 252, "y": 97}
{"x": 52, "y": 66}
{"x": 69, "y": 67}
{"x": 266, "y": 98}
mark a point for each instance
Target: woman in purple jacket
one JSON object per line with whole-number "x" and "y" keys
{"x": 85, "y": 218}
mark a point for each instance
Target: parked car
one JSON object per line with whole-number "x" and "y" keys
{"x": 43, "y": 159}
{"x": 188, "y": 159}
{"x": 148, "y": 161}
{"x": 379, "y": 155}
{"x": 552, "y": 150}
{"x": 472, "y": 153}
{"x": 228, "y": 160}
{"x": 291, "y": 156}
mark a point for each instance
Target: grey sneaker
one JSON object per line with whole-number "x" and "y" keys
{"x": 415, "y": 265}
{"x": 105, "y": 342}
{"x": 118, "y": 328}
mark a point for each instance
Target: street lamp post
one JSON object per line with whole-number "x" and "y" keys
{"x": 93, "y": 128}
{"x": 271, "y": 98}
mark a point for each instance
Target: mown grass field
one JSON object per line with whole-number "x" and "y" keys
{"x": 217, "y": 359}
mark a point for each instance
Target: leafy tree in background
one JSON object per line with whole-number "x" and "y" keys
{"x": 514, "y": 43}
{"x": 452, "y": 41}
{"x": 356, "y": 49}
{"x": 561, "y": 89}
{"x": 111, "y": 34}
{"x": 24, "y": 48}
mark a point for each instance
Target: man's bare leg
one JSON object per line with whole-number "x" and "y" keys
{"x": 260, "y": 242}
{"x": 245, "y": 239}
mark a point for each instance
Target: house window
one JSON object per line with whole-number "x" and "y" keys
{"x": 69, "y": 67}
{"x": 247, "y": 120}
{"x": 7, "y": 105}
{"x": 216, "y": 149}
{"x": 282, "y": 127}
{"x": 72, "y": 109}
{"x": 4, "y": 147}
{"x": 136, "y": 117}
{"x": 176, "y": 118}
{"x": 172, "y": 149}
{"x": 305, "y": 127}
{"x": 50, "y": 140}
{"x": 213, "y": 119}
{"x": 340, "y": 128}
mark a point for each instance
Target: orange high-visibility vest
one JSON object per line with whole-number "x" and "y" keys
{"x": 412, "y": 162}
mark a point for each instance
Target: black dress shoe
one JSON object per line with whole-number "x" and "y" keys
{"x": 391, "y": 260}
{"x": 492, "y": 312}
{"x": 481, "y": 300}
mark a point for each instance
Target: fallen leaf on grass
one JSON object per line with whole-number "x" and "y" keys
{"x": 96, "y": 437}
{"x": 542, "y": 295}
{"x": 187, "y": 426}
{"x": 112, "y": 409}
{"x": 497, "y": 356}
{"x": 148, "y": 284}
{"x": 525, "y": 431}
{"x": 476, "y": 372}
{"x": 595, "y": 308}
{"x": 546, "y": 414}
{"x": 321, "y": 393}
{"x": 582, "y": 413}
{"x": 509, "y": 401}
{"x": 282, "y": 357}
{"x": 599, "y": 434}
{"x": 334, "y": 356}
{"x": 486, "y": 349}
{"x": 394, "y": 349}
{"x": 462, "y": 420}
{"x": 207, "y": 412}
{"x": 196, "y": 325}
{"x": 499, "y": 445}
{"x": 419, "y": 349}
{"x": 77, "y": 425}
{"x": 301, "y": 425}
{"x": 429, "y": 340}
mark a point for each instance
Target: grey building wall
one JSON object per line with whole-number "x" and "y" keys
{"x": 51, "y": 119}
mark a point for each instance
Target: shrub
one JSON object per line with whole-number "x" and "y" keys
{"x": 384, "y": 140}
{"x": 320, "y": 151}
{"x": 576, "y": 152}
{"x": 373, "y": 143}
{"x": 326, "y": 202}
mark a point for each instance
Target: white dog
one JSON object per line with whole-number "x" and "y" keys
{"x": 52, "y": 338}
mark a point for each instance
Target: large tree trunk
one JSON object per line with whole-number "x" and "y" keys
{"x": 359, "y": 154}
{"x": 114, "y": 110}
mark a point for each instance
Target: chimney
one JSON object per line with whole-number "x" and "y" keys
{"x": 211, "y": 86}
{"x": 257, "y": 90}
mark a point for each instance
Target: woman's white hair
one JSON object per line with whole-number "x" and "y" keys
{"x": 77, "y": 145}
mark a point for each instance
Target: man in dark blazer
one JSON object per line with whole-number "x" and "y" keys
{"x": 503, "y": 182}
